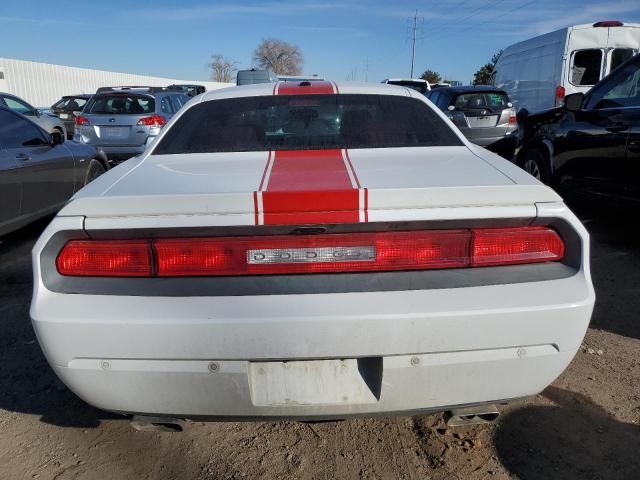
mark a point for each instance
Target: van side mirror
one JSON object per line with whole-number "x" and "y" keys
{"x": 573, "y": 102}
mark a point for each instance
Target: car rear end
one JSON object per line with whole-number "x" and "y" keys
{"x": 487, "y": 118}
{"x": 66, "y": 108}
{"x": 120, "y": 122}
{"x": 313, "y": 283}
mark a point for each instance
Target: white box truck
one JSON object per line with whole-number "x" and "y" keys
{"x": 539, "y": 72}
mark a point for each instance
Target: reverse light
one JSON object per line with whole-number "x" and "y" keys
{"x": 81, "y": 121}
{"x": 299, "y": 254}
{"x": 152, "y": 121}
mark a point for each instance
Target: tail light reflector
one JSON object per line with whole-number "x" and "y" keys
{"x": 152, "y": 121}
{"x": 323, "y": 253}
{"x": 105, "y": 258}
{"x": 81, "y": 121}
{"x": 560, "y": 94}
{"x": 512, "y": 120}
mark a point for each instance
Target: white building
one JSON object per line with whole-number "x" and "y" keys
{"x": 42, "y": 84}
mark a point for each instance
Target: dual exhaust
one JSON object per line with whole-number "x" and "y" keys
{"x": 460, "y": 417}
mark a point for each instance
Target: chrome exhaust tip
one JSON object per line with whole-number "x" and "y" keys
{"x": 462, "y": 417}
{"x": 144, "y": 423}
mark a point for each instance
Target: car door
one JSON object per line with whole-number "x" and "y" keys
{"x": 618, "y": 98}
{"x": 46, "y": 172}
{"x": 10, "y": 187}
{"x": 589, "y": 149}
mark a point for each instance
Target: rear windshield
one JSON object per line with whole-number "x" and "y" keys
{"x": 586, "y": 67}
{"x": 619, "y": 56}
{"x": 417, "y": 86}
{"x": 482, "y": 101}
{"x": 306, "y": 122}
{"x": 120, "y": 104}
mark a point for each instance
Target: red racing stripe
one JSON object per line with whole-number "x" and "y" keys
{"x": 314, "y": 88}
{"x": 309, "y": 187}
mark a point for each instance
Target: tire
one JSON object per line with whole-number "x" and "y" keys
{"x": 94, "y": 170}
{"x": 536, "y": 164}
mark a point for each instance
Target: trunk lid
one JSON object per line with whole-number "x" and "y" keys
{"x": 354, "y": 186}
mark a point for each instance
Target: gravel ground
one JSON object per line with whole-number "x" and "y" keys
{"x": 585, "y": 426}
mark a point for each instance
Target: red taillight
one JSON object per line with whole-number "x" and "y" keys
{"x": 153, "y": 121}
{"x": 324, "y": 253}
{"x": 560, "y": 92}
{"x": 105, "y": 258}
{"x": 506, "y": 246}
{"x": 609, "y": 23}
{"x": 346, "y": 252}
{"x": 512, "y": 120}
{"x": 81, "y": 121}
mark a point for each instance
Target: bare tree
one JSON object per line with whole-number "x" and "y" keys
{"x": 279, "y": 56}
{"x": 222, "y": 68}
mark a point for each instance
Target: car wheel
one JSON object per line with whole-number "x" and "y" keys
{"x": 94, "y": 171}
{"x": 535, "y": 163}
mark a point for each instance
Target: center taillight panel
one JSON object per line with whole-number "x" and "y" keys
{"x": 299, "y": 254}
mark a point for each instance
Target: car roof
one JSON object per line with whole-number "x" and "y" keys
{"x": 472, "y": 88}
{"x": 419, "y": 80}
{"x": 269, "y": 89}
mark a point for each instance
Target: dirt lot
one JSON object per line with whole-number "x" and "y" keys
{"x": 586, "y": 425}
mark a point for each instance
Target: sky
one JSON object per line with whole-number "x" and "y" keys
{"x": 342, "y": 40}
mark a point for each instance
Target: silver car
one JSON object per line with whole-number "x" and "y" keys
{"x": 484, "y": 114}
{"x": 123, "y": 120}
{"x": 47, "y": 122}
{"x": 39, "y": 171}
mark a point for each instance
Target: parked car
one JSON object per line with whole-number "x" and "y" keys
{"x": 538, "y": 73}
{"x": 417, "y": 84}
{"x": 190, "y": 90}
{"x": 65, "y": 107}
{"x": 254, "y": 75}
{"x": 259, "y": 261}
{"x": 123, "y": 120}
{"x": 39, "y": 171}
{"x": 484, "y": 114}
{"x": 591, "y": 145}
{"x": 49, "y": 123}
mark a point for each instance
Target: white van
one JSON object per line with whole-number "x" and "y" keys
{"x": 538, "y": 73}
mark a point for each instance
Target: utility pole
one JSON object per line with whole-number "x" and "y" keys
{"x": 413, "y": 45}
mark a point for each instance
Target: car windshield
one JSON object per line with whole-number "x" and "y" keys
{"x": 306, "y": 122}
{"x": 482, "y": 101}
{"x": 119, "y": 104}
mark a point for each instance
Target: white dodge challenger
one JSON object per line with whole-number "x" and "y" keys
{"x": 310, "y": 250}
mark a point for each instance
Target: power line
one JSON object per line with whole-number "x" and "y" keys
{"x": 526, "y": 4}
{"x": 472, "y": 13}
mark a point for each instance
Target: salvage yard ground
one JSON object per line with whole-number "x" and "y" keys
{"x": 585, "y": 426}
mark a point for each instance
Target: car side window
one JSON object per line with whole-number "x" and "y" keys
{"x": 620, "y": 90}
{"x": 165, "y": 105}
{"x": 16, "y": 132}
{"x": 434, "y": 97}
{"x": 18, "y": 106}
{"x": 176, "y": 101}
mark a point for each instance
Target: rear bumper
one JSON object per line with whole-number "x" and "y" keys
{"x": 201, "y": 356}
{"x": 192, "y": 357}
